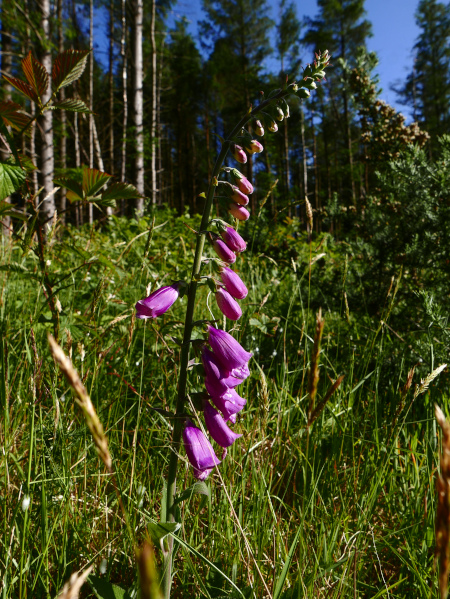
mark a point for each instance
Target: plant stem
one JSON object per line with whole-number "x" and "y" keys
{"x": 184, "y": 359}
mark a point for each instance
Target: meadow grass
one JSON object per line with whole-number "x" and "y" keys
{"x": 342, "y": 508}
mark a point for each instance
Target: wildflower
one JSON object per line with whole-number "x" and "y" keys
{"x": 158, "y": 302}
{"x": 238, "y": 196}
{"x": 222, "y": 250}
{"x": 238, "y": 153}
{"x": 229, "y": 404}
{"x": 259, "y": 129}
{"x": 254, "y": 147}
{"x": 228, "y": 305}
{"x": 273, "y": 127}
{"x": 233, "y": 283}
{"x": 217, "y": 427}
{"x": 233, "y": 240}
{"x": 280, "y": 114}
{"x": 227, "y": 350}
{"x": 240, "y": 372}
{"x": 199, "y": 451}
{"x": 238, "y": 212}
{"x": 242, "y": 182}
{"x": 214, "y": 383}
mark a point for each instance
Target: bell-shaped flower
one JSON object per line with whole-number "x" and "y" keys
{"x": 238, "y": 196}
{"x": 217, "y": 427}
{"x": 233, "y": 283}
{"x": 158, "y": 302}
{"x": 233, "y": 240}
{"x": 230, "y": 403}
{"x": 227, "y": 350}
{"x": 241, "y": 372}
{"x": 238, "y": 153}
{"x": 228, "y": 305}
{"x": 259, "y": 129}
{"x": 273, "y": 127}
{"x": 254, "y": 147}
{"x": 199, "y": 451}
{"x": 242, "y": 182}
{"x": 238, "y": 212}
{"x": 222, "y": 249}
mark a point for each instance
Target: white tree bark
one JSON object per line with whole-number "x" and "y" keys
{"x": 138, "y": 104}
{"x": 124, "y": 97}
{"x": 47, "y": 157}
{"x": 154, "y": 104}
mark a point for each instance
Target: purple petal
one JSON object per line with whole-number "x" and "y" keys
{"x": 224, "y": 252}
{"x": 228, "y": 305}
{"x": 217, "y": 427}
{"x": 198, "y": 449}
{"x": 227, "y": 350}
{"x": 233, "y": 240}
{"x": 233, "y": 283}
{"x": 158, "y": 302}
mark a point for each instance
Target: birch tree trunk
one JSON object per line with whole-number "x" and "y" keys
{"x": 154, "y": 105}
{"x": 62, "y": 142}
{"x": 138, "y": 104}
{"x": 111, "y": 88}
{"x": 46, "y": 121}
{"x": 124, "y": 97}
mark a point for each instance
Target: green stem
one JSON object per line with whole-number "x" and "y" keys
{"x": 184, "y": 360}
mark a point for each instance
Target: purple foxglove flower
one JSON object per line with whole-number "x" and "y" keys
{"x": 238, "y": 196}
{"x": 199, "y": 451}
{"x": 215, "y": 387}
{"x": 233, "y": 283}
{"x": 242, "y": 182}
{"x": 273, "y": 127}
{"x": 238, "y": 212}
{"x": 217, "y": 428}
{"x": 232, "y": 418}
{"x": 259, "y": 129}
{"x": 238, "y": 153}
{"x": 241, "y": 372}
{"x": 254, "y": 147}
{"x": 158, "y": 302}
{"x": 223, "y": 251}
{"x": 233, "y": 240}
{"x": 227, "y": 350}
{"x": 228, "y": 305}
{"x": 213, "y": 369}
{"x": 229, "y": 404}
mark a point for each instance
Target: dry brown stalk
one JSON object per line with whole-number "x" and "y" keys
{"x": 443, "y": 506}
{"x": 309, "y": 213}
{"x": 84, "y": 401}
{"x": 320, "y": 406}
{"x": 314, "y": 369}
{"x": 148, "y": 576}
{"x": 72, "y": 588}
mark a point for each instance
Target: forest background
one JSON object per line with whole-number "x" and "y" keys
{"x": 346, "y": 507}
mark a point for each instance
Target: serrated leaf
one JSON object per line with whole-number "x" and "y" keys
{"x": 11, "y": 178}
{"x": 94, "y": 180}
{"x": 121, "y": 191}
{"x": 6, "y": 209}
{"x": 68, "y": 67}
{"x": 104, "y": 203}
{"x": 23, "y": 87}
{"x": 72, "y": 186}
{"x": 160, "y": 530}
{"x": 72, "y": 105}
{"x": 13, "y": 115}
{"x": 104, "y": 589}
{"x": 200, "y": 488}
{"x": 36, "y": 74}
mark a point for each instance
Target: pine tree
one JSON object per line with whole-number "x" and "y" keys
{"x": 427, "y": 88}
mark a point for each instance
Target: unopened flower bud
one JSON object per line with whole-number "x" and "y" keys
{"x": 303, "y": 93}
{"x": 199, "y": 451}
{"x": 310, "y": 83}
{"x": 158, "y": 302}
{"x": 233, "y": 283}
{"x": 259, "y": 129}
{"x": 320, "y": 75}
{"x": 254, "y": 147}
{"x": 222, "y": 249}
{"x": 233, "y": 240}
{"x": 273, "y": 127}
{"x": 239, "y": 197}
{"x": 228, "y": 305}
{"x": 242, "y": 182}
{"x": 238, "y": 211}
{"x": 280, "y": 114}
{"x": 238, "y": 153}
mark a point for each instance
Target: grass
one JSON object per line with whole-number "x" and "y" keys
{"x": 344, "y": 509}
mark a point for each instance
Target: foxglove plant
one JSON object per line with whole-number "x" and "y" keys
{"x": 225, "y": 363}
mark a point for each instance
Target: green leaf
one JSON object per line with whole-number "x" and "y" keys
{"x": 199, "y": 487}
{"x": 14, "y": 267}
{"x": 13, "y": 115}
{"x": 73, "y": 186}
{"x": 68, "y": 67}
{"x": 22, "y": 87}
{"x": 159, "y": 531}
{"x": 72, "y": 105}
{"x": 94, "y": 180}
{"x": 11, "y": 179}
{"x": 287, "y": 564}
{"x": 106, "y": 590}
{"x": 7, "y": 209}
{"x": 121, "y": 191}
{"x": 36, "y": 74}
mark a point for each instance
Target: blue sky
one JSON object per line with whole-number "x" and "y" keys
{"x": 394, "y": 34}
